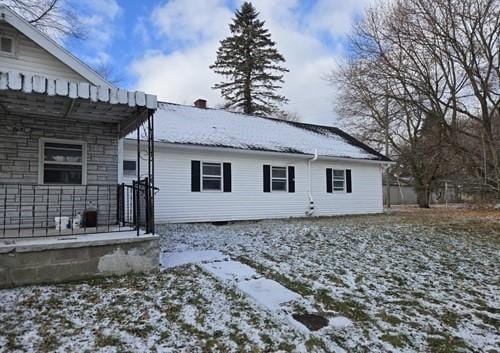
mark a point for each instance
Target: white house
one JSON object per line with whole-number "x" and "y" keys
{"x": 214, "y": 165}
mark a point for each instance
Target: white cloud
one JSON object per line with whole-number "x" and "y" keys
{"x": 191, "y": 21}
{"x": 183, "y": 75}
{"x": 179, "y": 77}
{"x": 97, "y": 17}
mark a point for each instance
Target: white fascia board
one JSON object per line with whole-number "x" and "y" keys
{"x": 52, "y": 47}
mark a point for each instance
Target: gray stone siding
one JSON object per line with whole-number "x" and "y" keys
{"x": 19, "y": 145}
{"x": 31, "y": 205}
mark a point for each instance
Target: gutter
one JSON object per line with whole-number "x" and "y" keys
{"x": 310, "y": 210}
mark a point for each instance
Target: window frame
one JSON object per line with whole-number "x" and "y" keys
{"x": 344, "y": 181}
{"x": 221, "y": 176}
{"x": 41, "y": 159}
{"x": 132, "y": 174}
{"x": 285, "y": 178}
{"x": 14, "y": 42}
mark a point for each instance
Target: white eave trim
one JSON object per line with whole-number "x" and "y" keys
{"x": 52, "y": 47}
{"x": 29, "y": 83}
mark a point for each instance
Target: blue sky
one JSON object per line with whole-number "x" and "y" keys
{"x": 165, "y": 47}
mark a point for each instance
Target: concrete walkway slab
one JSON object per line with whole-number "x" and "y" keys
{"x": 268, "y": 293}
{"x": 179, "y": 258}
{"x": 230, "y": 270}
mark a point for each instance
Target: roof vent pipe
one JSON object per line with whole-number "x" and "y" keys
{"x": 200, "y": 103}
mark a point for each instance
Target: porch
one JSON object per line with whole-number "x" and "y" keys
{"x": 59, "y": 158}
{"x": 64, "y": 215}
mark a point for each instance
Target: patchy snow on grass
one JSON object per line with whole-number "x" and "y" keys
{"x": 385, "y": 284}
{"x": 180, "y": 310}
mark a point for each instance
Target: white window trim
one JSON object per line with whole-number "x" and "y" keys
{"x": 285, "y": 178}
{"x": 41, "y": 158}
{"x": 14, "y": 46}
{"x": 202, "y": 189}
{"x": 343, "y": 191}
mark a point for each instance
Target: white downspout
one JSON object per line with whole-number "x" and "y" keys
{"x": 310, "y": 210}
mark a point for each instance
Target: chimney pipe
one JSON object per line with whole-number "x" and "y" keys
{"x": 200, "y": 103}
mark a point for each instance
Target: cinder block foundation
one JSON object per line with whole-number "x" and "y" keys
{"x": 88, "y": 256}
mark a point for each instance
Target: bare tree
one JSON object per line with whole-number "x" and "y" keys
{"x": 428, "y": 60}
{"x": 49, "y": 16}
{"x": 413, "y": 137}
{"x": 109, "y": 72}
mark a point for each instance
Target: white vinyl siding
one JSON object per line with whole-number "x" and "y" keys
{"x": 176, "y": 203}
{"x": 29, "y": 57}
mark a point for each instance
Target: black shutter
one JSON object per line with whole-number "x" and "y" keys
{"x": 329, "y": 180}
{"x": 195, "y": 176}
{"x": 291, "y": 179}
{"x": 226, "y": 170}
{"x": 348, "y": 181}
{"x": 267, "y": 178}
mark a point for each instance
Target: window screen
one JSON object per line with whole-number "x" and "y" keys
{"x": 212, "y": 176}
{"x": 278, "y": 178}
{"x": 338, "y": 180}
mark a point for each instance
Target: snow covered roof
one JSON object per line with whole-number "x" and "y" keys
{"x": 179, "y": 124}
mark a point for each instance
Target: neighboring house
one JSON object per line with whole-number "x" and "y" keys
{"x": 214, "y": 165}
{"x": 60, "y": 129}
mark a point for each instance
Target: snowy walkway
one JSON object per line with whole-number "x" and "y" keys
{"x": 264, "y": 292}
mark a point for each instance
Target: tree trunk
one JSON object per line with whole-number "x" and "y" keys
{"x": 423, "y": 195}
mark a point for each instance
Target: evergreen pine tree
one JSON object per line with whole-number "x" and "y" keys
{"x": 250, "y": 63}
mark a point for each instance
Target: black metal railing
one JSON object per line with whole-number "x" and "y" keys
{"x": 31, "y": 210}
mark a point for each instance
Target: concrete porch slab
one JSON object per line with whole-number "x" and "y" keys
{"x": 61, "y": 259}
{"x": 71, "y": 241}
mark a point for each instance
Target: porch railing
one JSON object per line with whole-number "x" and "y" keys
{"x": 32, "y": 210}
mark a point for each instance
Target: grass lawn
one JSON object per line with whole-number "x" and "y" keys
{"x": 408, "y": 281}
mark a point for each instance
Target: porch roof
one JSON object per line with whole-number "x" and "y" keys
{"x": 33, "y": 95}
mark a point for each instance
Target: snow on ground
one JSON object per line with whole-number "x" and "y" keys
{"x": 389, "y": 283}
{"x": 181, "y": 310}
